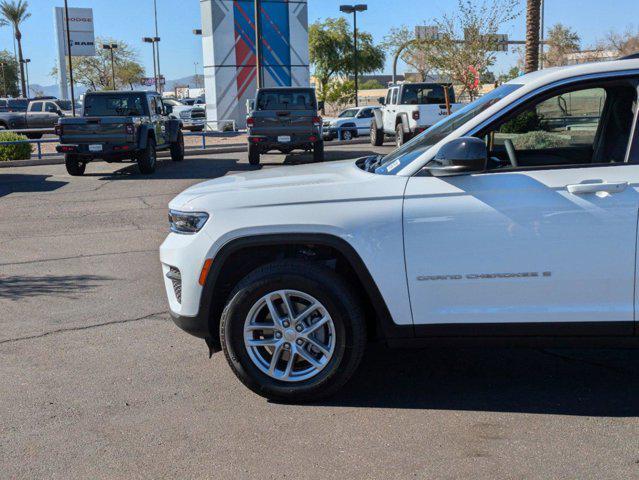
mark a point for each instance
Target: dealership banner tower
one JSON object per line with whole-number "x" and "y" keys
{"x": 228, "y": 42}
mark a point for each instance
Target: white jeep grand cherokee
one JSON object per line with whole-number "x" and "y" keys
{"x": 512, "y": 221}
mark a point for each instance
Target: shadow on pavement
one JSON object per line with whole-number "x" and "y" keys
{"x": 559, "y": 382}
{"x": 192, "y": 168}
{"x": 13, "y": 183}
{"x": 67, "y": 286}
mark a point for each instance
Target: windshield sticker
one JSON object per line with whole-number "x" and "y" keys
{"x": 393, "y": 165}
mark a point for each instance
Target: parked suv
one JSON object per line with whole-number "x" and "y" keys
{"x": 349, "y": 124}
{"x": 410, "y": 108}
{"x": 513, "y": 221}
{"x": 284, "y": 119}
{"x": 119, "y": 126}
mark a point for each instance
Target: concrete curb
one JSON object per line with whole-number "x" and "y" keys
{"x": 233, "y": 148}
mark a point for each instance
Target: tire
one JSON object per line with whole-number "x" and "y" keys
{"x": 74, "y": 166}
{"x": 253, "y": 154}
{"x": 177, "y": 148}
{"x": 345, "y": 314}
{"x": 147, "y": 159}
{"x": 347, "y": 136}
{"x": 318, "y": 151}
{"x": 399, "y": 135}
{"x": 377, "y": 135}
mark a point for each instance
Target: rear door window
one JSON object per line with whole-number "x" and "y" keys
{"x": 286, "y": 100}
{"x": 35, "y": 107}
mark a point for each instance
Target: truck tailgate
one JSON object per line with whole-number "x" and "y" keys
{"x": 95, "y": 130}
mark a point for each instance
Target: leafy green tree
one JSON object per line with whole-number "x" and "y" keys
{"x": 95, "y": 72}
{"x": 8, "y": 75}
{"x": 371, "y": 85}
{"x": 331, "y": 52}
{"x": 14, "y": 13}
{"x": 561, "y": 42}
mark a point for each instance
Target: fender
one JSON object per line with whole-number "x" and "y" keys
{"x": 379, "y": 119}
{"x": 403, "y": 117}
{"x": 208, "y": 310}
{"x": 146, "y": 130}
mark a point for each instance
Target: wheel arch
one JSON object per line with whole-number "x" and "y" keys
{"x": 146, "y": 132}
{"x": 240, "y": 256}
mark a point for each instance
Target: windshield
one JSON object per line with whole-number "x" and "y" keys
{"x": 403, "y": 156}
{"x": 303, "y": 99}
{"x": 115, "y": 105}
{"x": 348, "y": 114}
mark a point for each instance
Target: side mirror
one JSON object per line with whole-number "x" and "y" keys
{"x": 461, "y": 156}
{"x": 320, "y": 105}
{"x": 59, "y": 112}
{"x": 168, "y": 109}
{"x": 381, "y": 101}
{"x": 250, "y": 106}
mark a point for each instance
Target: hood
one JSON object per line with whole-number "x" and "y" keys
{"x": 330, "y": 120}
{"x": 277, "y": 186}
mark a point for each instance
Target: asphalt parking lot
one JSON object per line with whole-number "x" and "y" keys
{"x": 97, "y": 382}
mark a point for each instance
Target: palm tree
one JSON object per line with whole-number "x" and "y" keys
{"x": 533, "y": 20}
{"x": 15, "y": 12}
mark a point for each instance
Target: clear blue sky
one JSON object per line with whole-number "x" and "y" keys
{"x": 130, "y": 20}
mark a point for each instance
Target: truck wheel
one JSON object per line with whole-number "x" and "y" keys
{"x": 148, "y": 158}
{"x": 318, "y": 151}
{"x": 74, "y": 166}
{"x": 293, "y": 331}
{"x": 347, "y": 135}
{"x": 377, "y": 135}
{"x": 253, "y": 154}
{"x": 399, "y": 135}
{"x": 177, "y": 148}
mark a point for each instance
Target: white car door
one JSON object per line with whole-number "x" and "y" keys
{"x": 390, "y": 110}
{"x": 545, "y": 248}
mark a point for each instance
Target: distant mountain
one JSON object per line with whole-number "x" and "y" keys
{"x": 54, "y": 90}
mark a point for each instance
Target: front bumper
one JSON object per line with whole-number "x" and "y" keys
{"x": 193, "y": 122}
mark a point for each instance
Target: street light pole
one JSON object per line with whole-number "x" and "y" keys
{"x": 153, "y": 41}
{"x": 354, "y": 9}
{"x": 111, "y": 47}
{"x": 157, "y": 39}
{"x": 258, "y": 43}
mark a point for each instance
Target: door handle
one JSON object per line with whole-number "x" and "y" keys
{"x": 584, "y": 188}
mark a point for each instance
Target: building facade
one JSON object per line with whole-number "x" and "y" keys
{"x": 228, "y": 41}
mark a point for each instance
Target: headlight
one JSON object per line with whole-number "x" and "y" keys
{"x": 187, "y": 223}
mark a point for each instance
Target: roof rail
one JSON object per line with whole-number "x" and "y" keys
{"x": 632, "y": 56}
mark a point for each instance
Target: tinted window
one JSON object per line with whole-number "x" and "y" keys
{"x": 117, "y": 105}
{"x": 51, "y": 107}
{"x": 35, "y": 107}
{"x": 18, "y": 105}
{"x": 426, "y": 94}
{"x": 366, "y": 113}
{"x": 286, "y": 100}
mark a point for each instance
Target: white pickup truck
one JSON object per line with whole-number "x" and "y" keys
{"x": 409, "y": 109}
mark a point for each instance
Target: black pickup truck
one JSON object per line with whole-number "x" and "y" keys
{"x": 117, "y": 126}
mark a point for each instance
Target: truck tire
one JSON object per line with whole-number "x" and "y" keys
{"x": 308, "y": 366}
{"x": 400, "y": 137}
{"x": 74, "y": 166}
{"x": 177, "y": 148}
{"x": 377, "y": 135}
{"x": 318, "y": 151}
{"x": 148, "y": 157}
{"x": 253, "y": 154}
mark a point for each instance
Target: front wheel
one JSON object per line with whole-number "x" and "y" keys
{"x": 177, "y": 148}
{"x": 293, "y": 331}
{"x": 74, "y": 166}
{"x": 147, "y": 159}
{"x": 318, "y": 151}
{"x": 377, "y": 135}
